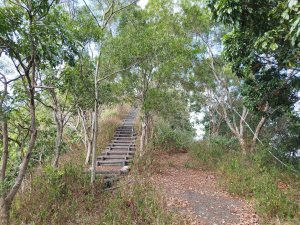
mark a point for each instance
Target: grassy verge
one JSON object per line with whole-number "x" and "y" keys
{"x": 274, "y": 190}
{"x": 136, "y": 203}
{"x": 57, "y": 196}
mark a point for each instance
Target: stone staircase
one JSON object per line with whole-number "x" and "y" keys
{"x": 118, "y": 155}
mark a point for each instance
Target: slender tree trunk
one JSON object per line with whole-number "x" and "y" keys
{"x": 4, "y": 212}
{"x": 4, "y": 157}
{"x": 94, "y": 147}
{"x": 89, "y": 151}
{"x": 243, "y": 145}
{"x": 58, "y": 142}
{"x": 257, "y": 132}
{"x": 145, "y": 134}
{"x": 95, "y": 133}
{"x": 90, "y": 137}
{"x": 143, "y": 137}
{"x": 3, "y": 120}
{"x": 88, "y": 129}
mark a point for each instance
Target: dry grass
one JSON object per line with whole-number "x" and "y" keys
{"x": 65, "y": 196}
{"x": 110, "y": 120}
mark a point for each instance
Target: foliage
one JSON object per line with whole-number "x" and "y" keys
{"x": 263, "y": 48}
{"x": 53, "y": 40}
{"x": 158, "y": 37}
{"x": 168, "y": 138}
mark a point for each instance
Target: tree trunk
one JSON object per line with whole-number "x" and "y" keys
{"x": 89, "y": 151}
{"x": 243, "y": 145}
{"x": 3, "y": 120}
{"x": 94, "y": 147}
{"x": 58, "y": 142}
{"x": 95, "y": 130}
{"x": 143, "y": 137}
{"x": 5, "y": 149}
{"x": 256, "y": 133}
{"x": 4, "y": 212}
{"x": 88, "y": 130}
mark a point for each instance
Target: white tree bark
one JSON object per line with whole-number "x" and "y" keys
{"x": 95, "y": 130}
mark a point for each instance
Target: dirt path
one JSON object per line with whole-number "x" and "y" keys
{"x": 195, "y": 195}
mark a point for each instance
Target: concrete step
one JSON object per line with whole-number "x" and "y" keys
{"x": 121, "y": 152}
{"x": 124, "y": 147}
{"x": 120, "y": 144}
{"x": 125, "y": 136}
{"x": 113, "y": 162}
{"x": 115, "y": 157}
{"x": 124, "y": 140}
{"x": 124, "y": 126}
{"x": 114, "y": 144}
{"x": 131, "y": 137}
{"x": 125, "y": 133}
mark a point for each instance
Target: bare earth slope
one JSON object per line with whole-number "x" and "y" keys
{"x": 195, "y": 195}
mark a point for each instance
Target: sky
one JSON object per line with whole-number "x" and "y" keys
{"x": 142, "y": 3}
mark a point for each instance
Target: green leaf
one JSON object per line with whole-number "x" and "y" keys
{"x": 264, "y": 44}
{"x": 285, "y": 15}
{"x": 273, "y": 46}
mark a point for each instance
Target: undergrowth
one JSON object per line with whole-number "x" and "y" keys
{"x": 65, "y": 196}
{"x": 57, "y": 196}
{"x": 274, "y": 190}
{"x": 137, "y": 203}
{"x": 171, "y": 139}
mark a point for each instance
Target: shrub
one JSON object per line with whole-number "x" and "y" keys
{"x": 167, "y": 139}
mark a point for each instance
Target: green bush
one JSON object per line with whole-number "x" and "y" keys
{"x": 171, "y": 139}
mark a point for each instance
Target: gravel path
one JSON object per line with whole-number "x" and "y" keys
{"x": 193, "y": 193}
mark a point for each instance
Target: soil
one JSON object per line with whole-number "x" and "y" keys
{"x": 193, "y": 193}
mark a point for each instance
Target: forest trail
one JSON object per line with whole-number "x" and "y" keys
{"x": 194, "y": 194}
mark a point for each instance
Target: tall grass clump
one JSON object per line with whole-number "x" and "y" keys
{"x": 137, "y": 203}
{"x": 258, "y": 177}
{"x": 56, "y": 196}
{"x": 111, "y": 118}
